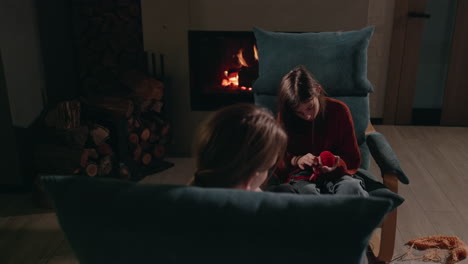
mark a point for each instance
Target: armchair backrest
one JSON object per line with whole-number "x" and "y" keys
{"x": 112, "y": 221}
{"x": 338, "y": 60}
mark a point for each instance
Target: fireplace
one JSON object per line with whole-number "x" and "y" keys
{"x": 223, "y": 66}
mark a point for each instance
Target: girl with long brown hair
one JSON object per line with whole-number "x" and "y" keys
{"x": 315, "y": 123}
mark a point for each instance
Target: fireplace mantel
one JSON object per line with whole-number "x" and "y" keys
{"x": 166, "y": 25}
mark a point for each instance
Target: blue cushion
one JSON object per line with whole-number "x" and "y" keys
{"x": 365, "y": 156}
{"x": 337, "y": 59}
{"x": 112, "y": 221}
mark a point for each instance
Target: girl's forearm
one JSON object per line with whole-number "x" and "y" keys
{"x": 294, "y": 160}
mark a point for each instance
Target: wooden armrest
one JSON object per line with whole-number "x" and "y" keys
{"x": 370, "y": 129}
{"x": 391, "y": 182}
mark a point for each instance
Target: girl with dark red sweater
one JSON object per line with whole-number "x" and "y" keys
{"x": 315, "y": 123}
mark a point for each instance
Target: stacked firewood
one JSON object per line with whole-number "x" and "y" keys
{"x": 80, "y": 136}
{"x": 147, "y": 129}
{"x": 70, "y": 146}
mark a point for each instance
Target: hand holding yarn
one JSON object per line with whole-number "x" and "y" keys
{"x": 326, "y": 162}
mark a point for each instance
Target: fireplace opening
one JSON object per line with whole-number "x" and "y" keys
{"x": 223, "y": 66}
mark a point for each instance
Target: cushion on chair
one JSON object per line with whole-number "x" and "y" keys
{"x": 337, "y": 59}
{"x": 384, "y": 156}
{"x": 111, "y": 221}
{"x": 377, "y": 189}
{"x": 365, "y": 156}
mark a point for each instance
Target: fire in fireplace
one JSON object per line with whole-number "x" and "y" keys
{"x": 223, "y": 66}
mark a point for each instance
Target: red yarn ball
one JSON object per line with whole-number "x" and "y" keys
{"x": 328, "y": 159}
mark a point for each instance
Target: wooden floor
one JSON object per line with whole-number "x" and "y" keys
{"x": 434, "y": 158}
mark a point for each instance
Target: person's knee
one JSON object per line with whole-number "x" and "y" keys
{"x": 309, "y": 189}
{"x": 351, "y": 186}
{"x": 283, "y": 188}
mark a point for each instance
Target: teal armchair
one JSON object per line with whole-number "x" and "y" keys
{"x": 339, "y": 61}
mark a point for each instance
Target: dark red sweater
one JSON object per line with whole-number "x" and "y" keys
{"x": 332, "y": 130}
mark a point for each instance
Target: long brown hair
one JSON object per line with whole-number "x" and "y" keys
{"x": 297, "y": 87}
{"x": 234, "y": 143}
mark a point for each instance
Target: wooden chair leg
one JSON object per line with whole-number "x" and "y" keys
{"x": 387, "y": 239}
{"x": 383, "y": 244}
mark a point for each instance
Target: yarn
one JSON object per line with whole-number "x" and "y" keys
{"x": 457, "y": 249}
{"x": 327, "y": 158}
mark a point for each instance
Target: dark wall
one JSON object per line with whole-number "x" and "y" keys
{"x": 8, "y": 153}
{"x": 57, "y": 45}
{"x": 87, "y": 45}
{"x": 109, "y": 42}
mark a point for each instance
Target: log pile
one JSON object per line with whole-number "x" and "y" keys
{"x": 71, "y": 147}
{"x": 148, "y": 131}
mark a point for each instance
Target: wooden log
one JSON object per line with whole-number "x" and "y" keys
{"x": 159, "y": 151}
{"x": 136, "y": 123}
{"x": 146, "y": 158}
{"x": 130, "y": 120}
{"x": 92, "y": 153}
{"x": 133, "y": 138}
{"x": 137, "y": 153}
{"x": 116, "y": 106}
{"x": 84, "y": 158}
{"x": 105, "y": 166}
{"x": 99, "y": 134}
{"x": 157, "y": 107}
{"x": 165, "y": 130}
{"x": 143, "y": 86}
{"x": 124, "y": 173}
{"x": 91, "y": 169}
{"x": 145, "y": 134}
{"x": 146, "y": 105}
{"x": 104, "y": 149}
{"x": 154, "y": 117}
{"x": 65, "y": 115}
